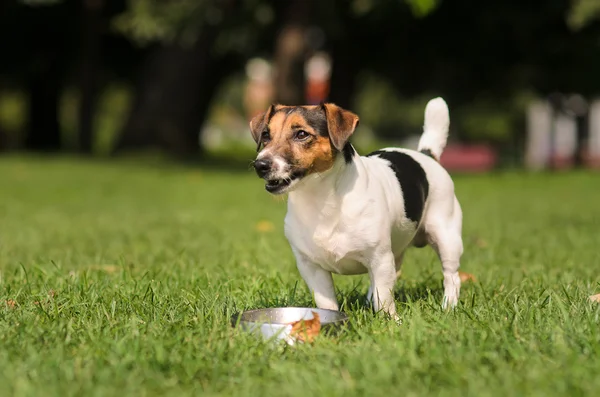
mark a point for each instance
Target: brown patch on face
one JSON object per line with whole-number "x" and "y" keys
{"x": 319, "y": 157}
{"x": 308, "y": 138}
{"x": 341, "y": 124}
{"x": 287, "y": 127}
{"x": 259, "y": 124}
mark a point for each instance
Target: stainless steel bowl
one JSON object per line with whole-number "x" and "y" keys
{"x": 275, "y": 323}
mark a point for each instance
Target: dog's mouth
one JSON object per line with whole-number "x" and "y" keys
{"x": 278, "y": 186}
{"x": 274, "y": 185}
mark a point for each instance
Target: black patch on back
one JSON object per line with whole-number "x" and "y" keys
{"x": 412, "y": 179}
{"x": 427, "y": 152}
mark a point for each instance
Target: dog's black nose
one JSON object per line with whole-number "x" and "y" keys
{"x": 262, "y": 167}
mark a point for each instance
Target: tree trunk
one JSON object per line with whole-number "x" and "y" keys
{"x": 43, "y": 133}
{"x": 88, "y": 86}
{"x": 173, "y": 98}
{"x": 343, "y": 74}
{"x": 290, "y": 54}
{"x": 3, "y": 140}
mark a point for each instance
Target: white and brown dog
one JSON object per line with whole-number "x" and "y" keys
{"x": 352, "y": 214}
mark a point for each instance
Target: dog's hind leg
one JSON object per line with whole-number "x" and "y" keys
{"x": 398, "y": 259}
{"x": 445, "y": 238}
{"x": 398, "y": 262}
{"x": 382, "y": 273}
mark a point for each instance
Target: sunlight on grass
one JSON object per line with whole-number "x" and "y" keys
{"x": 121, "y": 278}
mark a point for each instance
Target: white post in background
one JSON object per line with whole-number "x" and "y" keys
{"x": 565, "y": 140}
{"x": 593, "y": 146}
{"x": 539, "y": 139}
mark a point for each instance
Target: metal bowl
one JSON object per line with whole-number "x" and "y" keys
{"x": 275, "y": 323}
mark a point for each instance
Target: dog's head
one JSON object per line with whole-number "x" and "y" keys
{"x": 296, "y": 141}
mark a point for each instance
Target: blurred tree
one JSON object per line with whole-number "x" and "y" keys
{"x": 479, "y": 55}
{"x": 194, "y": 45}
{"x": 54, "y": 44}
{"x": 36, "y": 50}
{"x": 354, "y": 37}
{"x": 484, "y": 57}
{"x": 50, "y": 55}
{"x": 91, "y": 34}
{"x": 345, "y": 33}
{"x": 173, "y": 95}
{"x": 421, "y": 8}
{"x": 290, "y": 53}
{"x": 3, "y": 135}
{"x": 3, "y": 140}
{"x": 582, "y": 12}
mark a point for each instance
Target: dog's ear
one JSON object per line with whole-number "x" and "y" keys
{"x": 259, "y": 123}
{"x": 341, "y": 124}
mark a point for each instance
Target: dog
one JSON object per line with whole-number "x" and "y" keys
{"x": 350, "y": 214}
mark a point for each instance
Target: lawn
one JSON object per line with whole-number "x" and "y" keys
{"x": 119, "y": 278}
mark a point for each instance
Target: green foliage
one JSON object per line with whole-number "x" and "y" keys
{"x": 387, "y": 113}
{"x": 120, "y": 279}
{"x": 394, "y": 117}
{"x": 486, "y": 123}
{"x": 12, "y": 111}
{"x": 147, "y": 21}
{"x": 38, "y": 3}
{"x": 113, "y": 108}
{"x": 582, "y": 13}
{"x": 491, "y": 120}
{"x": 421, "y": 8}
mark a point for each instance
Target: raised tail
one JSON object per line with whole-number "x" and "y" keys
{"x": 435, "y": 130}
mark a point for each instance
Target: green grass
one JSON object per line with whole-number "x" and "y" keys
{"x": 120, "y": 279}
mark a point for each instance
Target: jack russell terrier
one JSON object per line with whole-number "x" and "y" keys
{"x": 352, "y": 214}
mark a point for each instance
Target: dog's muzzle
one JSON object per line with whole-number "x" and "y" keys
{"x": 263, "y": 167}
{"x": 277, "y": 180}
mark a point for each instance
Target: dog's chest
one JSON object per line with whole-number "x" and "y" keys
{"x": 337, "y": 243}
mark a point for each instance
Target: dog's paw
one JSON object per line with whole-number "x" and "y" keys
{"x": 449, "y": 302}
{"x": 369, "y": 298}
{"x": 397, "y": 320}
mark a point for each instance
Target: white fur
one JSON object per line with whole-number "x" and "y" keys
{"x": 435, "y": 130}
{"x": 351, "y": 220}
{"x": 280, "y": 169}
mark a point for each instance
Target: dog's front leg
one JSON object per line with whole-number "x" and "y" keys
{"x": 319, "y": 282}
{"x": 382, "y": 272}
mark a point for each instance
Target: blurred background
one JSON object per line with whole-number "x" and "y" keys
{"x": 183, "y": 77}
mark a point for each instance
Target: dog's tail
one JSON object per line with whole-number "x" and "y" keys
{"x": 435, "y": 130}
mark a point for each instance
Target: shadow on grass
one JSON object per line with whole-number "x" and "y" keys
{"x": 349, "y": 299}
{"x": 355, "y": 299}
{"x": 422, "y": 291}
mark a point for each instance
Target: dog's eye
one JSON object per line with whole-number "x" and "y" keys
{"x": 302, "y": 135}
{"x": 265, "y": 137}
